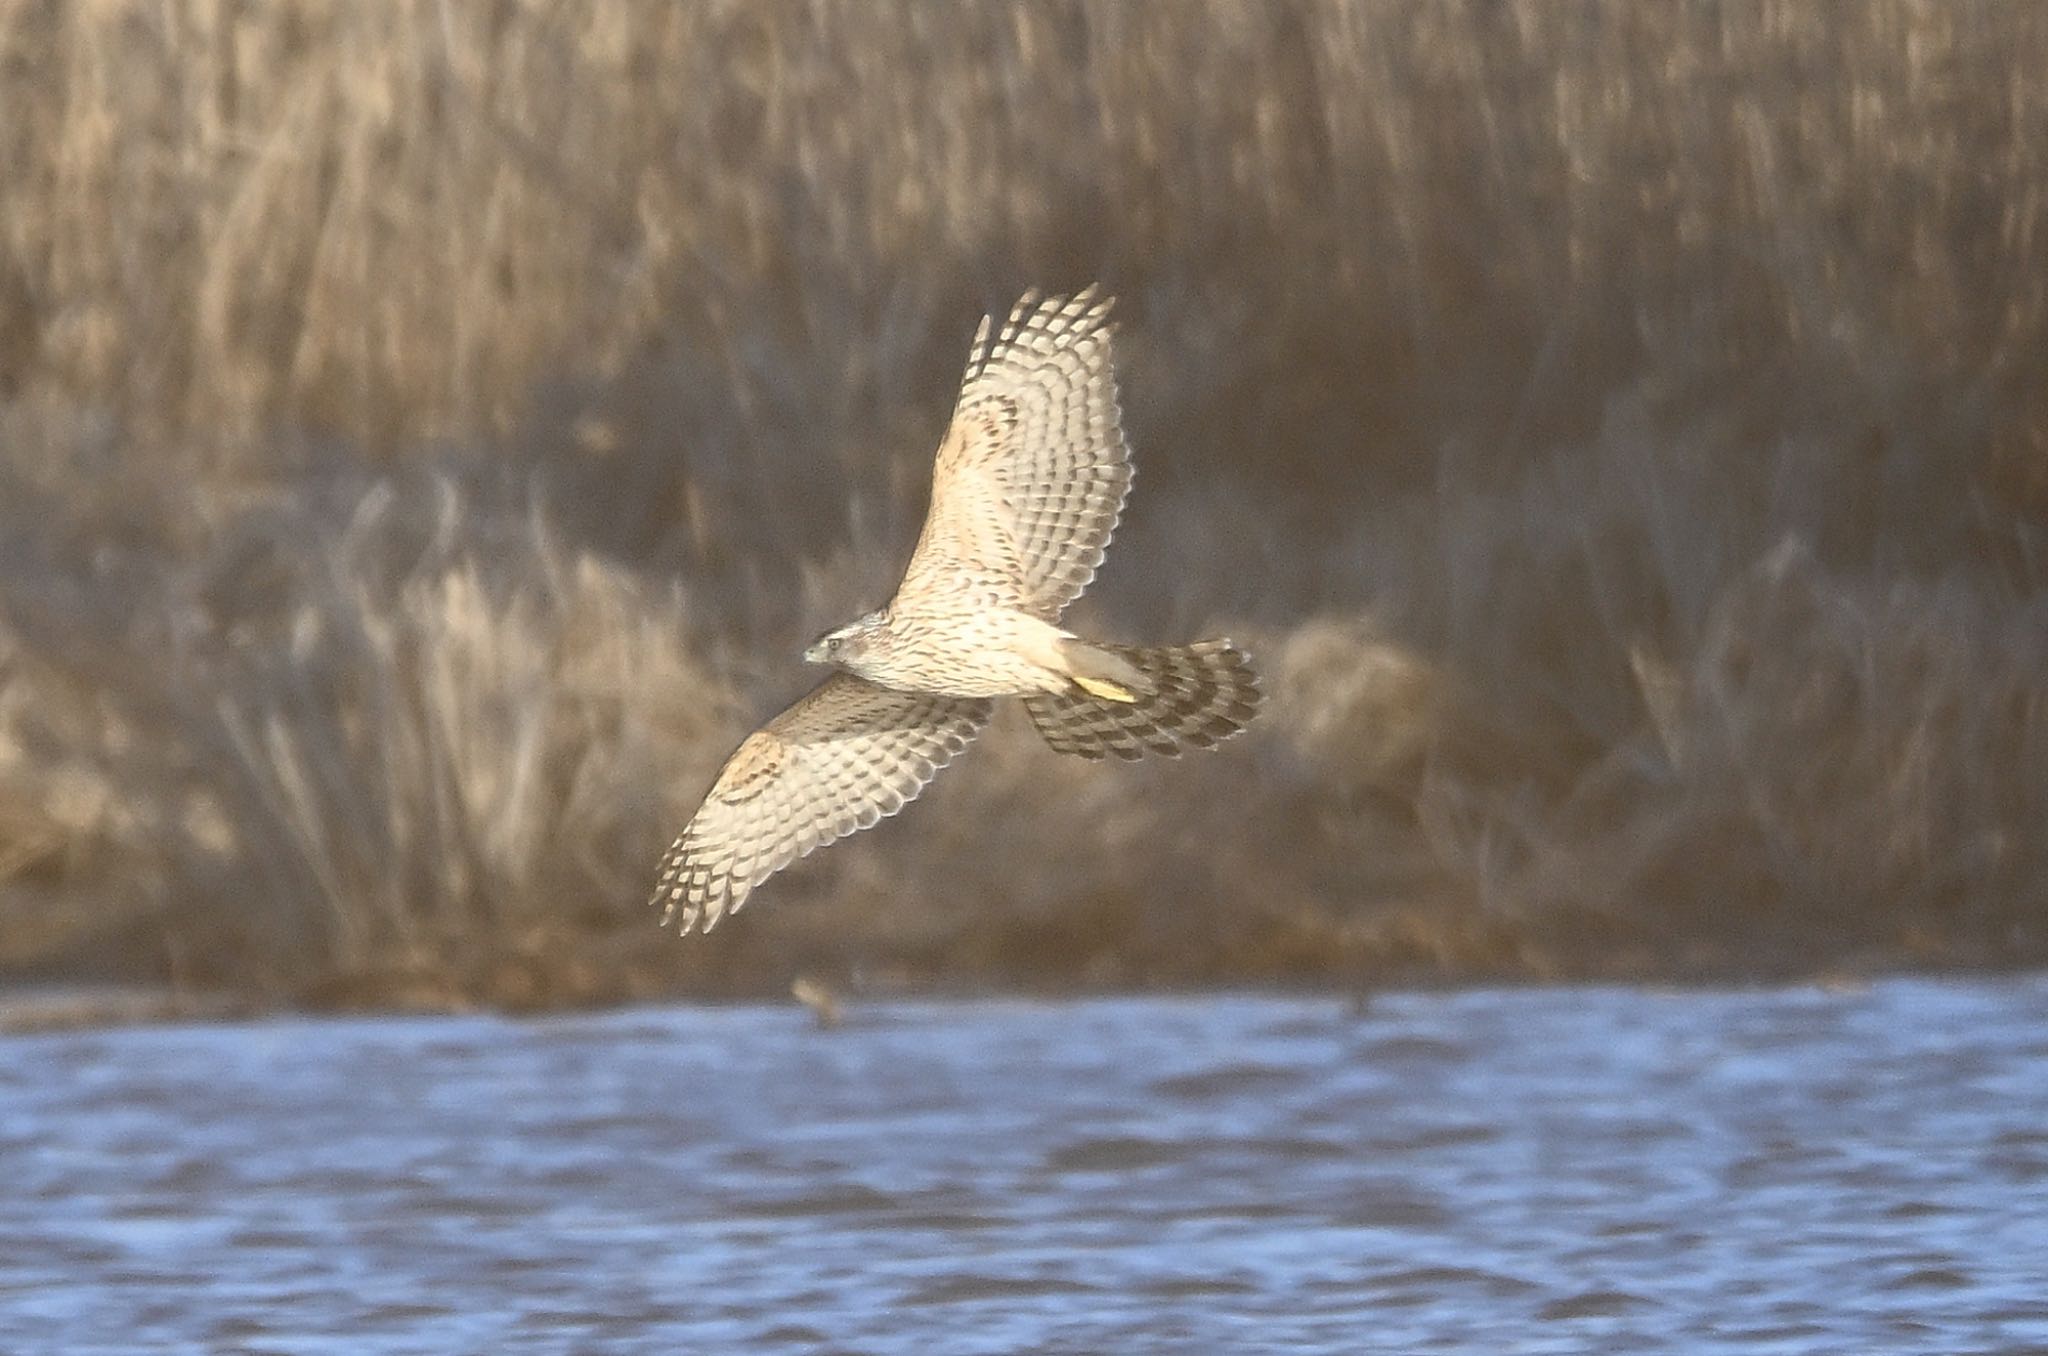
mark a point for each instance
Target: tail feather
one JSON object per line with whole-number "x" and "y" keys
{"x": 1195, "y": 695}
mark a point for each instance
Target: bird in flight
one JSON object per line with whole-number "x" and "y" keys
{"x": 1030, "y": 479}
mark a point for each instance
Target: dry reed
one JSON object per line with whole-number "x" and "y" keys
{"x": 428, "y": 431}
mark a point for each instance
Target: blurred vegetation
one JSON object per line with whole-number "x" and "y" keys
{"x": 428, "y": 433}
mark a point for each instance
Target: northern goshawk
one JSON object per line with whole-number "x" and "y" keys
{"x": 1030, "y": 479}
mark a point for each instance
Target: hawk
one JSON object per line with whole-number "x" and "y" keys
{"x": 1030, "y": 480}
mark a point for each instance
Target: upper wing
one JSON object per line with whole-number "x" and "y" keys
{"x": 1033, "y": 471}
{"x": 842, "y": 758}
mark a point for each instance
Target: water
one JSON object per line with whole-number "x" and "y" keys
{"x": 1568, "y": 1170}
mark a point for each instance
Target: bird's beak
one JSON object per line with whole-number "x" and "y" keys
{"x": 815, "y": 653}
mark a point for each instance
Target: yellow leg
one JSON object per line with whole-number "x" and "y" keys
{"x": 1105, "y": 689}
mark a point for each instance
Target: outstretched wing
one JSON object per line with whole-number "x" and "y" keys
{"x": 841, "y": 759}
{"x": 1033, "y": 471}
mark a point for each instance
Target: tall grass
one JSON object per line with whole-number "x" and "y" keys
{"x": 427, "y": 432}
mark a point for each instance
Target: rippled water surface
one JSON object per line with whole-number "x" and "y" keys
{"x": 1558, "y": 1170}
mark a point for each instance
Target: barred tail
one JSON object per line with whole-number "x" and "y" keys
{"x": 1190, "y": 694}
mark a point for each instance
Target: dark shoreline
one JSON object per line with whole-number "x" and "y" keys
{"x": 52, "y": 1005}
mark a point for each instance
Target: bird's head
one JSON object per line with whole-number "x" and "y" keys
{"x": 847, "y": 646}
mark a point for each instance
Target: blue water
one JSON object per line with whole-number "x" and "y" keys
{"x": 1559, "y": 1170}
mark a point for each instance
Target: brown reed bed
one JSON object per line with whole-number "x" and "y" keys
{"x": 428, "y": 432}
